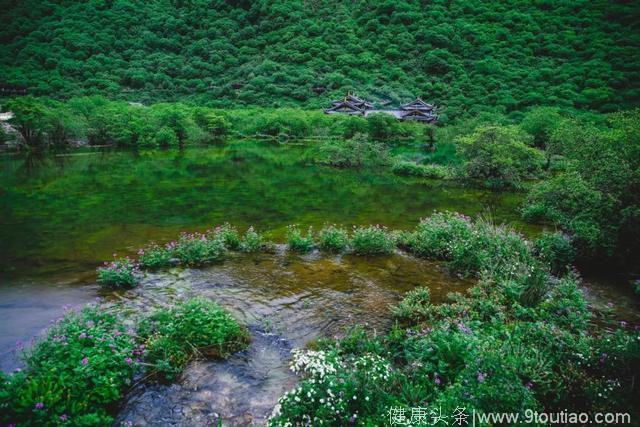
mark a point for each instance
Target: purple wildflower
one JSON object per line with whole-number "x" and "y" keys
{"x": 437, "y": 379}
{"x": 85, "y": 361}
{"x": 83, "y": 335}
{"x": 39, "y": 405}
{"x": 63, "y": 417}
{"x": 128, "y": 360}
{"x": 481, "y": 377}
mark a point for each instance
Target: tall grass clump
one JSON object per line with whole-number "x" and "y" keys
{"x": 299, "y": 242}
{"x": 334, "y": 239}
{"x": 372, "y": 240}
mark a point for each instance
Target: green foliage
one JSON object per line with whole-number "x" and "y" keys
{"x": 74, "y": 375}
{"x": 415, "y": 306}
{"x": 519, "y": 340}
{"x": 555, "y": 250}
{"x": 333, "y": 239}
{"x": 119, "y": 273}
{"x": 166, "y": 137}
{"x": 217, "y": 125}
{"x": 297, "y": 241}
{"x": 372, "y": 240}
{"x": 383, "y": 127}
{"x": 193, "y": 328}
{"x": 198, "y": 249}
{"x": 252, "y": 241}
{"x": 357, "y": 152}
{"x": 228, "y": 235}
{"x": 414, "y": 169}
{"x": 154, "y": 256}
{"x": 595, "y": 199}
{"x": 471, "y": 57}
{"x": 500, "y": 156}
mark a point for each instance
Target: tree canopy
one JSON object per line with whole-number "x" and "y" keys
{"x": 469, "y": 56}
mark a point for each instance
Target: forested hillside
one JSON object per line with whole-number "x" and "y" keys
{"x": 468, "y": 56}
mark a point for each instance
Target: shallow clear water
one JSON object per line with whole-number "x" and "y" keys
{"x": 287, "y": 301}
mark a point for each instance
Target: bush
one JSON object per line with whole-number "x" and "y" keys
{"x": 383, "y": 127}
{"x": 196, "y": 327}
{"x": 154, "y": 256}
{"x": 555, "y": 250}
{"x": 434, "y": 236}
{"x": 120, "y": 273}
{"x": 297, "y": 242}
{"x": 166, "y": 137}
{"x": 415, "y": 169}
{"x": 196, "y": 249}
{"x": 75, "y": 375}
{"x": 415, "y": 306}
{"x": 500, "y": 156}
{"x": 253, "y": 242}
{"x": 372, "y": 240}
{"x": 333, "y": 239}
{"x": 357, "y": 152}
{"x": 228, "y": 235}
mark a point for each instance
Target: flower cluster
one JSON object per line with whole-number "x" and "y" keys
{"x": 120, "y": 273}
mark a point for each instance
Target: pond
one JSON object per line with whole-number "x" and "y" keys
{"x": 63, "y": 215}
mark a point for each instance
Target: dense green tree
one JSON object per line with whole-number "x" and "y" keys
{"x": 467, "y": 56}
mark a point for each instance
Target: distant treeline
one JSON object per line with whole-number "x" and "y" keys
{"x": 469, "y": 56}
{"x": 48, "y": 123}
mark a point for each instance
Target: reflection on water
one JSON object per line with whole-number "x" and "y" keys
{"x": 70, "y": 211}
{"x": 287, "y": 301}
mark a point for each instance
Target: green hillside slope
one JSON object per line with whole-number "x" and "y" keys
{"x": 469, "y": 56}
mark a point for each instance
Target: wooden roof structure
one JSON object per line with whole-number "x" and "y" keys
{"x": 416, "y": 110}
{"x": 419, "y": 105}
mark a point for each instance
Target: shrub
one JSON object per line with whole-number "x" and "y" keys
{"x": 372, "y": 240}
{"x": 74, "y": 375}
{"x": 434, "y": 236}
{"x": 555, "y": 250}
{"x": 383, "y": 127}
{"x": 166, "y": 137}
{"x": 297, "y": 242}
{"x": 415, "y": 169}
{"x": 415, "y": 306}
{"x": 500, "y": 156}
{"x": 356, "y": 152}
{"x": 196, "y": 249}
{"x": 253, "y": 241}
{"x": 333, "y": 238}
{"x": 193, "y": 328}
{"x": 120, "y": 273}
{"x": 228, "y": 234}
{"x": 154, "y": 256}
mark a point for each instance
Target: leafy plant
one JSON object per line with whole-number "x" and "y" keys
{"x": 297, "y": 241}
{"x": 193, "y": 328}
{"x": 333, "y": 239}
{"x": 372, "y": 240}
{"x": 120, "y": 273}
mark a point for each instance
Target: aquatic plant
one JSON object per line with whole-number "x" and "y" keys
{"x": 154, "y": 256}
{"x": 195, "y": 327}
{"x": 297, "y": 241}
{"x": 74, "y": 374}
{"x": 228, "y": 234}
{"x": 119, "y": 273}
{"x": 332, "y": 238}
{"x": 372, "y": 240}
{"x": 252, "y": 241}
{"x": 194, "y": 249}
{"x": 415, "y": 169}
